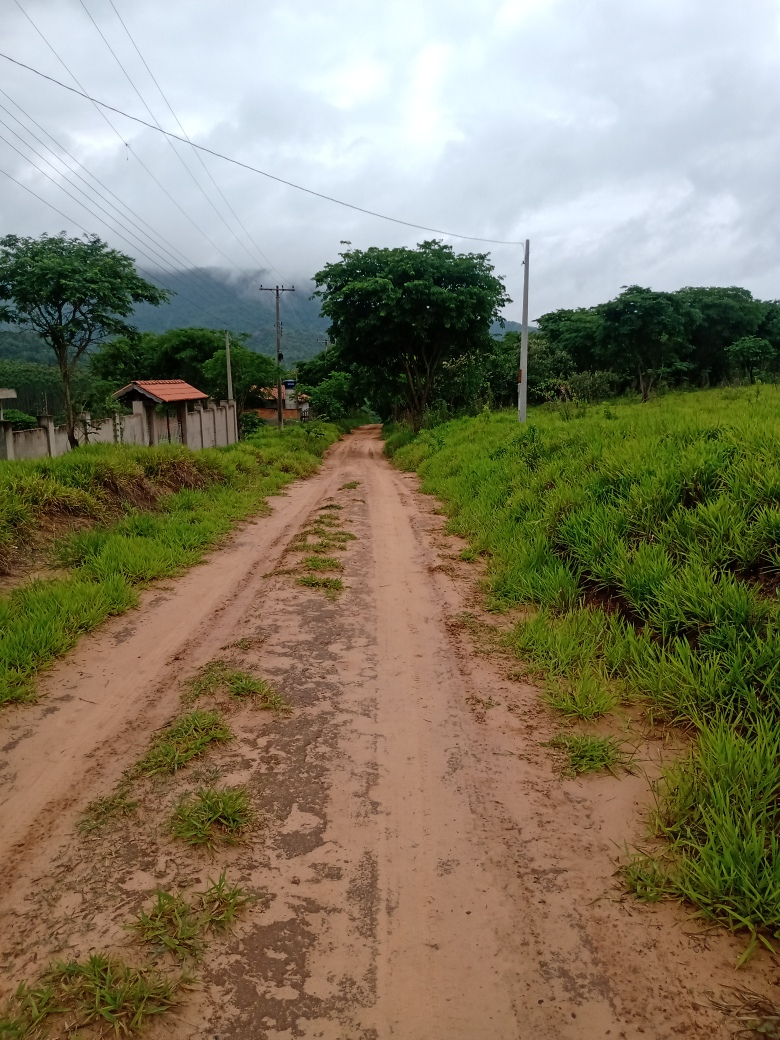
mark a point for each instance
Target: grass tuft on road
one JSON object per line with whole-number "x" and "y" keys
{"x": 101, "y": 992}
{"x": 105, "y": 810}
{"x": 211, "y": 817}
{"x": 219, "y": 675}
{"x": 323, "y": 563}
{"x": 330, "y": 586}
{"x": 183, "y": 740}
{"x": 646, "y": 540}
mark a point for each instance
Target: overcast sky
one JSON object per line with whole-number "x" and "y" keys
{"x": 632, "y": 142}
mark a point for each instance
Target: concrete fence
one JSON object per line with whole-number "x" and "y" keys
{"x": 212, "y": 426}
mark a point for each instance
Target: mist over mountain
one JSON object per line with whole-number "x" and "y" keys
{"x": 214, "y": 298}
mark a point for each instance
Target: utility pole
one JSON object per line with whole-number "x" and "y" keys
{"x": 230, "y": 381}
{"x": 279, "y": 356}
{"x": 522, "y": 375}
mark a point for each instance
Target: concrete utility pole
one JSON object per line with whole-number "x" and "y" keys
{"x": 279, "y": 356}
{"x": 522, "y": 375}
{"x": 230, "y": 381}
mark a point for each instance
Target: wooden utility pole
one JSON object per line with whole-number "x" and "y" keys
{"x": 522, "y": 375}
{"x": 277, "y": 289}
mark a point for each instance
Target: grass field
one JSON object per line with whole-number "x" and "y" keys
{"x": 647, "y": 537}
{"x": 144, "y": 513}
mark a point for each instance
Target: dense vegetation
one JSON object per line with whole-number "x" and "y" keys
{"x": 74, "y": 294}
{"x": 648, "y": 539}
{"x": 402, "y": 315}
{"x": 195, "y": 355}
{"x": 639, "y": 342}
{"x": 143, "y": 513}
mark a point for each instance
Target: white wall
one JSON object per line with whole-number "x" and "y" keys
{"x": 207, "y": 427}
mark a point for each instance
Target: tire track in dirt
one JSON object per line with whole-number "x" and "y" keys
{"x": 423, "y": 873}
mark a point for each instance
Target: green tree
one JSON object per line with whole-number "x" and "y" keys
{"x": 720, "y": 316}
{"x": 404, "y": 312}
{"x": 334, "y": 397}
{"x": 73, "y": 293}
{"x": 575, "y": 332}
{"x": 249, "y": 369}
{"x": 645, "y": 333}
{"x": 752, "y": 354}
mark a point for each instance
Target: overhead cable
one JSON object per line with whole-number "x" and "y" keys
{"x": 255, "y": 169}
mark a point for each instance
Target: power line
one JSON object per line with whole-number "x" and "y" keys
{"x": 108, "y": 121}
{"x": 196, "y": 153}
{"x": 151, "y": 238}
{"x": 255, "y": 169}
{"x": 168, "y": 141}
{"x": 102, "y": 221}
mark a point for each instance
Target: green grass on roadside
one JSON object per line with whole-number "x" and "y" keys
{"x": 185, "y": 739}
{"x": 153, "y": 511}
{"x": 211, "y": 817}
{"x": 588, "y": 754}
{"x": 646, "y": 538}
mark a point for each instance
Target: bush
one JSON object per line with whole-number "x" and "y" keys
{"x": 20, "y": 420}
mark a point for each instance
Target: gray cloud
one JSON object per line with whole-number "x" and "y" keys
{"x": 632, "y": 142}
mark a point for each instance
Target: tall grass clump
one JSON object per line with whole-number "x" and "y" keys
{"x": 126, "y": 516}
{"x": 646, "y": 539}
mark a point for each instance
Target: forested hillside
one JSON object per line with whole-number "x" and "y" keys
{"x": 215, "y": 299}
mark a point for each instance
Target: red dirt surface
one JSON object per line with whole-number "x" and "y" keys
{"x": 422, "y": 870}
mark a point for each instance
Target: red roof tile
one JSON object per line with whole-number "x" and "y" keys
{"x": 166, "y": 391}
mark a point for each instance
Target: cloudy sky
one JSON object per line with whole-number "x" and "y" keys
{"x": 630, "y": 140}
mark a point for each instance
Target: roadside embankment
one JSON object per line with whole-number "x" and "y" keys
{"x": 643, "y": 542}
{"x": 80, "y": 534}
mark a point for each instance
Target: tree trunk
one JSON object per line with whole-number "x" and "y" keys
{"x": 70, "y": 419}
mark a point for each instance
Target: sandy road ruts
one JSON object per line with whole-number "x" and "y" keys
{"x": 427, "y": 875}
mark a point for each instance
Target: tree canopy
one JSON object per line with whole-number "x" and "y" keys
{"x": 73, "y": 293}
{"x": 406, "y": 312}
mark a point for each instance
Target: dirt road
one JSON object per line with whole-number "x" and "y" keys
{"x": 421, "y": 870}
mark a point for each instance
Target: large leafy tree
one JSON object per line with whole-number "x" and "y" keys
{"x": 645, "y": 333}
{"x": 250, "y": 371}
{"x": 720, "y": 316}
{"x": 752, "y": 354}
{"x": 74, "y": 293}
{"x": 575, "y": 332}
{"x": 405, "y": 312}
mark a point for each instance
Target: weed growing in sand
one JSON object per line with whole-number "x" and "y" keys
{"x": 102, "y": 991}
{"x": 27, "y": 1010}
{"x": 589, "y": 754}
{"x": 174, "y": 925}
{"x": 212, "y": 816}
{"x": 323, "y": 563}
{"x": 219, "y": 903}
{"x": 185, "y": 739}
{"x": 350, "y": 486}
{"x": 330, "y": 586}
{"x": 218, "y": 675}
{"x": 169, "y": 926}
{"x": 105, "y": 810}
{"x": 330, "y": 505}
